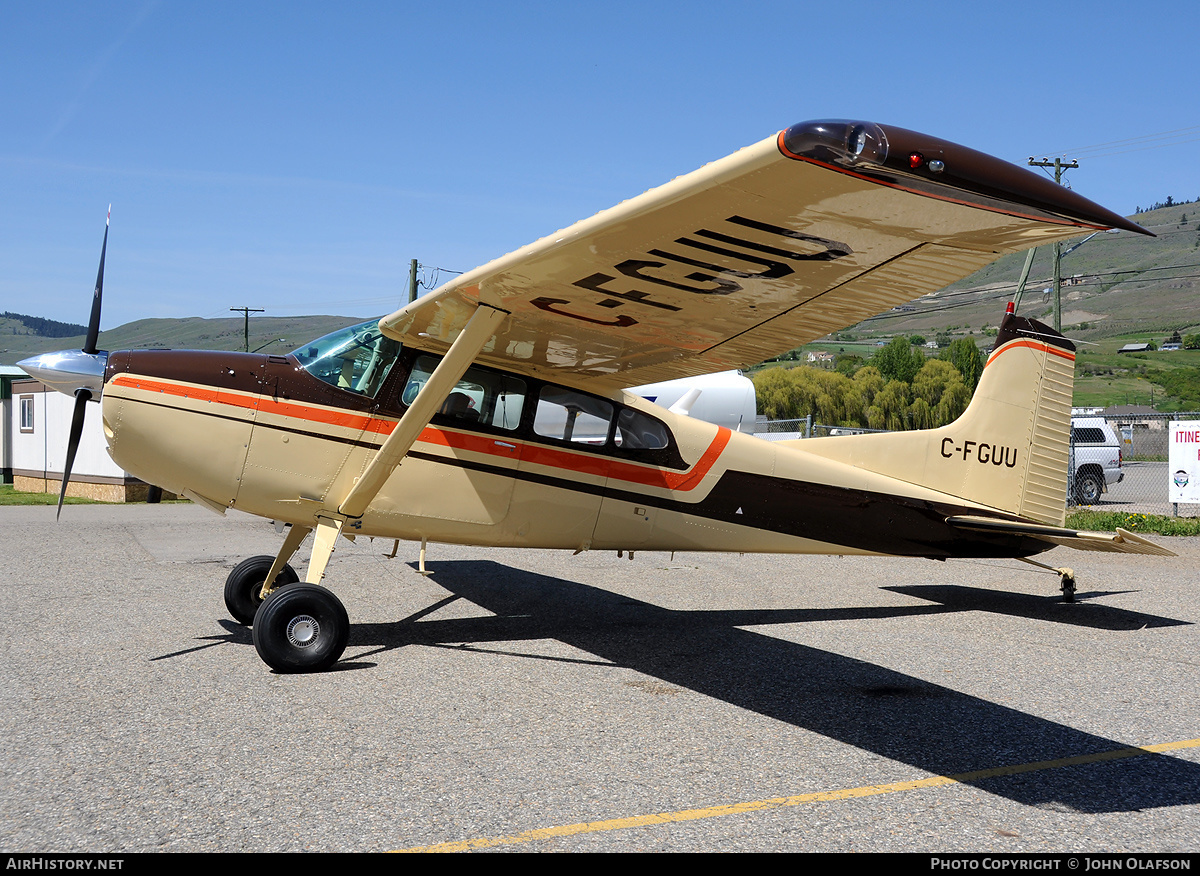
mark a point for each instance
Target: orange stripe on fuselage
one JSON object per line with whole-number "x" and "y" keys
{"x": 535, "y": 454}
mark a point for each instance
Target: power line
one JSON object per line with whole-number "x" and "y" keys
{"x": 1137, "y": 143}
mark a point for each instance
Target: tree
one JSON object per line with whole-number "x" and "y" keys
{"x": 944, "y": 396}
{"x": 890, "y": 406}
{"x": 868, "y": 382}
{"x": 937, "y": 395}
{"x": 777, "y": 398}
{"x": 848, "y": 364}
{"x": 965, "y": 356}
{"x": 898, "y": 360}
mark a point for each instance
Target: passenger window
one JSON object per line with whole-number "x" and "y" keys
{"x": 572, "y": 416}
{"x": 483, "y": 397}
{"x": 636, "y": 431}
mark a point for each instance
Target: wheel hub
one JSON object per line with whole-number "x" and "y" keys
{"x": 303, "y": 630}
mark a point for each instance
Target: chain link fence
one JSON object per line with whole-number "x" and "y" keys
{"x": 787, "y": 430}
{"x": 1132, "y": 476}
{"x": 1140, "y": 484}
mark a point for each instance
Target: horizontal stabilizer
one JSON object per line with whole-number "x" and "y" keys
{"x": 1123, "y": 542}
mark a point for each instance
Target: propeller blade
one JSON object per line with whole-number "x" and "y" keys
{"x": 82, "y": 397}
{"x": 93, "y": 332}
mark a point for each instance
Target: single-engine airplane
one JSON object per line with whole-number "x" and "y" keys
{"x": 493, "y": 411}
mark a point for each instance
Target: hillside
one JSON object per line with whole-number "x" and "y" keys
{"x": 1121, "y": 288}
{"x": 1115, "y": 285}
{"x": 194, "y": 333}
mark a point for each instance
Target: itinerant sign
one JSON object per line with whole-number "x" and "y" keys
{"x": 1183, "y": 462}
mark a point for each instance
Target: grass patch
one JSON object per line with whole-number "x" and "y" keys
{"x": 1154, "y": 524}
{"x": 9, "y": 496}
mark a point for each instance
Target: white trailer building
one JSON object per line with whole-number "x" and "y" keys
{"x": 36, "y": 441}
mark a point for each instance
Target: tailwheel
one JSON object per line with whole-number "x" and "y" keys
{"x": 244, "y": 584}
{"x": 301, "y": 628}
{"x": 1067, "y": 578}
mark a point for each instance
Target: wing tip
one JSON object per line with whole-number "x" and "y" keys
{"x": 938, "y": 168}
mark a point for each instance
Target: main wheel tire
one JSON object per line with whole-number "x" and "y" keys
{"x": 1089, "y": 487}
{"x": 245, "y": 582}
{"x": 301, "y": 628}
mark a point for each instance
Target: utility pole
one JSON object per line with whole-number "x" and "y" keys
{"x": 1059, "y": 167}
{"x": 412, "y": 281}
{"x": 246, "y": 311}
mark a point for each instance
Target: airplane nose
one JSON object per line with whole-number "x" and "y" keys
{"x": 68, "y": 370}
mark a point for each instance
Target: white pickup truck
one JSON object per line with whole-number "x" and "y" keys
{"x": 1096, "y": 457}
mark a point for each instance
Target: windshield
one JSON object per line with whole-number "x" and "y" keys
{"x": 357, "y": 358}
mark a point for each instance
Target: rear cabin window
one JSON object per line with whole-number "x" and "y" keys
{"x": 636, "y": 431}
{"x": 481, "y": 397}
{"x": 571, "y": 416}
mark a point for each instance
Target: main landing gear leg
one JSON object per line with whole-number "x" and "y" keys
{"x": 1066, "y": 577}
{"x": 324, "y": 543}
{"x": 291, "y": 543}
{"x": 304, "y": 627}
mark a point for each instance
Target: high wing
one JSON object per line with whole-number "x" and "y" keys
{"x": 809, "y": 231}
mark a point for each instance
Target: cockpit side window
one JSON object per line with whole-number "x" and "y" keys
{"x": 357, "y": 358}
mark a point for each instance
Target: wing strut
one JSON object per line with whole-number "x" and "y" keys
{"x": 474, "y": 336}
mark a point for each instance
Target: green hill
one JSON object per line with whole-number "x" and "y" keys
{"x": 1119, "y": 285}
{"x": 1118, "y": 289}
{"x": 193, "y": 333}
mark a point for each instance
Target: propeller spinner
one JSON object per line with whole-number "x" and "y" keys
{"x": 76, "y": 372}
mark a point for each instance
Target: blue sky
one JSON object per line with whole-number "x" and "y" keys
{"x": 294, "y": 156}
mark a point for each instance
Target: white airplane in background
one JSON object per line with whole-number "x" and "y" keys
{"x": 723, "y": 399}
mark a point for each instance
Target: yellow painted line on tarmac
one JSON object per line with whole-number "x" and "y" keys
{"x": 799, "y": 800}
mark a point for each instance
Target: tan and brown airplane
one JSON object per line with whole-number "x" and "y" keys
{"x": 493, "y": 411}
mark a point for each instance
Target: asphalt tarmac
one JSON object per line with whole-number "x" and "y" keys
{"x": 538, "y": 701}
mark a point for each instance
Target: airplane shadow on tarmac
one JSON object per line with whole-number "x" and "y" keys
{"x": 906, "y": 719}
